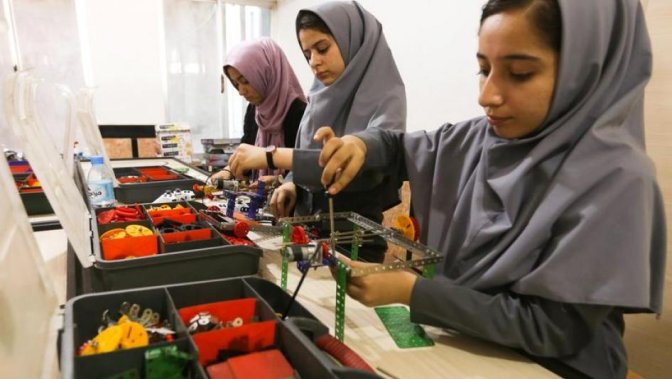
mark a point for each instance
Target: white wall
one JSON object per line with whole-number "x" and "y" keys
{"x": 124, "y": 47}
{"x": 434, "y": 44}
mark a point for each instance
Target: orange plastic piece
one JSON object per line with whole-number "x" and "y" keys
{"x": 407, "y": 226}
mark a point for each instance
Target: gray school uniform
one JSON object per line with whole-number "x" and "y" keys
{"x": 550, "y": 238}
{"x": 369, "y": 93}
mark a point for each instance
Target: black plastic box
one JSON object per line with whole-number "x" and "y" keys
{"x": 147, "y": 192}
{"x": 200, "y": 262}
{"x": 188, "y": 262}
{"x": 35, "y": 202}
{"x": 82, "y": 316}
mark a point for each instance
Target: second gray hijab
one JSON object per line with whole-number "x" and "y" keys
{"x": 369, "y": 92}
{"x": 572, "y": 213}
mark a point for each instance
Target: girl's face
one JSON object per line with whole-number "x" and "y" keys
{"x": 323, "y": 55}
{"x": 517, "y": 74}
{"x": 243, "y": 86}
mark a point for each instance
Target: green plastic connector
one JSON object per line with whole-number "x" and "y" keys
{"x": 428, "y": 271}
{"x": 166, "y": 362}
{"x": 354, "y": 251}
{"x": 341, "y": 285}
{"x": 286, "y": 230}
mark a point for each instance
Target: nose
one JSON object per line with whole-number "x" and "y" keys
{"x": 315, "y": 60}
{"x": 242, "y": 90}
{"x": 491, "y": 94}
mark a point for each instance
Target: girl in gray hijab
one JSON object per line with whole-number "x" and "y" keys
{"x": 547, "y": 209}
{"x": 357, "y": 86}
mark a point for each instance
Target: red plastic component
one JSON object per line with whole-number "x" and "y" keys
{"x": 157, "y": 173}
{"x": 325, "y": 250}
{"x": 246, "y": 338}
{"x": 416, "y": 225}
{"x": 181, "y": 215}
{"x": 106, "y": 217}
{"x": 268, "y": 364}
{"x": 240, "y": 229}
{"x": 341, "y": 352}
{"x": 19, "y": 168}
{"x": 188, "y": 235}
{"x": 131, "y": 179}
{"x": 299, "y": 235}
{"x": 224, "y": 310}
{"x": 129, "y": 247}
{"x": 238, "y": 241}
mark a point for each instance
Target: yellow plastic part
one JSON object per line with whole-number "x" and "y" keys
{"x": 136, "y": 230}
{"x": 113, "y": 234}
{"x": 134, "y": 335}
{"x": 106, "y": 341}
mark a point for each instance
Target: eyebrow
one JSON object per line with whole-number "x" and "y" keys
{"x": 512, "y": 57}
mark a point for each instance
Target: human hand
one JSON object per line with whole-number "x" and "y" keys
{"x": 283, "y": 200}
{"x": 224, "y": 174}
{"x": 383, "y": 288}
{"x": 342, "y": 158}
{"x": 245, "y": 158}
{"x": 267, "y": 179}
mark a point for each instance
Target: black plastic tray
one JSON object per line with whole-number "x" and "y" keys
{"x": 147, "y": 192}
{"x": 201, "y": 261}
{"x": 82, "y": 316}
{"x": 35, "y": 203}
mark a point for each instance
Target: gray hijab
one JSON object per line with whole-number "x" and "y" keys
{"x": 370, "y": 91}
{"x": 572, "y": 213}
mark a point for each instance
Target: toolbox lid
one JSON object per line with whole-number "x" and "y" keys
{"x": 28, "y": 302}
{"x": 58, "y": 184}
{"x": 86, "y": 118}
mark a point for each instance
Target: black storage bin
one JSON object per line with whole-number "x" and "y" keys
{"x": 194, "y": 261}
{"x": 82, "y": 314}
{"x": 35, "y": 203}
{"x": 150, "y": 190}
{"x": 147, "y": 192}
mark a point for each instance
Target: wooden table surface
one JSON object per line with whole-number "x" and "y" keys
{"x": 452, "y": 356}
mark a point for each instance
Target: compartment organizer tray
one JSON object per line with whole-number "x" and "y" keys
{"x": 197, "y": 252}
{"x": 289, "y": 338}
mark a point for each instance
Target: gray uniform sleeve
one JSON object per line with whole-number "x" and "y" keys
{"x": 307, "y": 173}
{"x": 385, "y": 152}
{"x": 538, "y": 326}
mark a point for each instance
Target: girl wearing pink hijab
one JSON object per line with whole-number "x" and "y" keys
{"x": 261, "y": 73}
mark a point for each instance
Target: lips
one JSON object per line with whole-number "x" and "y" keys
{"x": 497, "y": 121}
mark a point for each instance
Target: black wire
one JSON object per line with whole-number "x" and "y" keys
{"x": 303, "y": 276}
{"x": 296, "y": 292}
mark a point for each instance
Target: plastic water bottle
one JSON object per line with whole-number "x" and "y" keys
{"x": 100, "y": 182}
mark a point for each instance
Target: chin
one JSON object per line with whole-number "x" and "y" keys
{"x": 505, "y": 133}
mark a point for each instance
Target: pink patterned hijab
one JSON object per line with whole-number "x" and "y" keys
{"x": 263, "y": 63}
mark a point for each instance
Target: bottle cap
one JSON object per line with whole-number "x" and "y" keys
{"x": 97, "y": 159}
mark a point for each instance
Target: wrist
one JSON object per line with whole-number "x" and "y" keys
{"x": 270, "y": 152}
{"x": 407, "y": 281}
{"x": 358, "y": 142}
